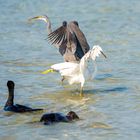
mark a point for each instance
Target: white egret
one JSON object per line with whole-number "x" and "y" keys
{"x": 75, "y": 72}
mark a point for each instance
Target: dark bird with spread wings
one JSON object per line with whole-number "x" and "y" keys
{"x": 68, "y": 38}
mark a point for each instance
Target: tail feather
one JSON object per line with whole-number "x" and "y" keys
{"x": 36, "y": 109}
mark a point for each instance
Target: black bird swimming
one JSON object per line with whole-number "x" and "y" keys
{"x": 50, "y": 118}
{"x": 69, "y": 38}
{"x": 9, "y": 106}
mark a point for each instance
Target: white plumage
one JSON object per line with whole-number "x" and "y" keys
{"x": 76, "y": 72}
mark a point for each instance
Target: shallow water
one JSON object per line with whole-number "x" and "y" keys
{"x": 111, "y": 106}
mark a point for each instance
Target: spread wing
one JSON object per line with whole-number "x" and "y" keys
{"x": 64, "y": 39}
{"x": 80, "y": 38}
{"x": 70, "y": 37}
{"x": 58, "y": 36}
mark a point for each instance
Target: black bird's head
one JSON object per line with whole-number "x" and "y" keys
{"x": 10, "y": 100}
{"x": 64, "y": 23}
{"x": 76, "y": 23}
{"x": 10, "y": 84}
{"x": 72, "y": 115}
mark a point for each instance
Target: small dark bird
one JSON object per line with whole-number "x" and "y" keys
{"x": 9, "y": 106}
{"x": 50, "y": 118}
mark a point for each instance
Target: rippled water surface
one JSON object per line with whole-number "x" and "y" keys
{"x": 110, "y": 109}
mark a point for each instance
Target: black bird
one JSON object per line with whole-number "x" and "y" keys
{"x": 50, "y": 118}
{"x": 9, "y": 106}
{"x": 68, "y": 38}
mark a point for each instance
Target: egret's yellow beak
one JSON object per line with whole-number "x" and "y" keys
{"x": 38, "y": 18}
{"x": 48, "y": 71}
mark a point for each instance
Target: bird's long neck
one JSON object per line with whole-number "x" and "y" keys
{"x": 10, "y": 100}
{"x": 83, "y": 65}
{"x": 49, "y": 29}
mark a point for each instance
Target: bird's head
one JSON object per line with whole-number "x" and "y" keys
{"x": 10, "y": 84}
{"x": 72, "y": 115}
{"x": 76, "y": 23}
{"x": 44, "y": 18}
{"x": 95, "y": 52}
{"x": 64, "y": 23}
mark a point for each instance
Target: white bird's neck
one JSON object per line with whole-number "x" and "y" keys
{"x": 83, "y": 63}
{"x": 49, "y": 29}
{"x": 48, "y": 22}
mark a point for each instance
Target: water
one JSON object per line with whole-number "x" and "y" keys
{"x": 110, "y": 109}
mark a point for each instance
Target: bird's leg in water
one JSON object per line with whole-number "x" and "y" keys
{"x": 63, "y": 78}
{"x": 81, "y": 92}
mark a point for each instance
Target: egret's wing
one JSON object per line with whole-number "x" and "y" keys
{"x": 82, "y": 45}
{"x": 62, "y": 67}
{"x": 65, "y": 65}
{"x": 66, "y": 68}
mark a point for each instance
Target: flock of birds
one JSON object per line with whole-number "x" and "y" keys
{"x": 73, "y": 46}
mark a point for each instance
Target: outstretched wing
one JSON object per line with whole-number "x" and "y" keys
{"x": 82, "y": 45}
{"x": 58, "y": 36}
{"x": 66, "y": 68}
{"x": 70, "y": 37}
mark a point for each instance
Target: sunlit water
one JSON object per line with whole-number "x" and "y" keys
{"x": 110, "y": 109}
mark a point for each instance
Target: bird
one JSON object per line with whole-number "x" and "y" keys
{"x": 9, "y": 106}
{"x": 69, "y": 38}
{"x": 50, "y": 118}
{"x": 78, "y": 72}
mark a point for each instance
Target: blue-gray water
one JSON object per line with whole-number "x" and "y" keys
{"x": 110, "y": 109}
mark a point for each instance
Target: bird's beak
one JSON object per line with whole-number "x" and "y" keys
{"x": 48, "y": 71}
{"x": 38, "y": 18}
{"x": 103, "y": 54}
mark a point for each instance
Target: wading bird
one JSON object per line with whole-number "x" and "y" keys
{"x": 78, "y": 72}
{"x": 9, "y": 106}
{"x": 68, "y": 38}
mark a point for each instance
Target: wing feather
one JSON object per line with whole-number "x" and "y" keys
{"x": 57, "y": 36}
{"x": 80, "y": 37}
